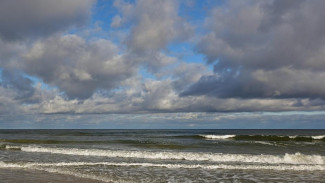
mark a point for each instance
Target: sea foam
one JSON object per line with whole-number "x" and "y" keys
{"x": 265, "y": 137}
{"x": 218, "y": 136}
{"x": 43, "y": 166}
{"x": 296, "y": 158}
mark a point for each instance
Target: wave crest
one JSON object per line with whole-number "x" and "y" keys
{"x": 188, "y": 166}
{"x": 296, "y": 158}
{"x": 266, "y": 137}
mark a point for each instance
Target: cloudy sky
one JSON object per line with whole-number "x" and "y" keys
{"x": 162, "y": 64}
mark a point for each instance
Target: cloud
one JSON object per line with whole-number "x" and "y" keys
{"x": 117, "y": 21}
{"x": 266, "y": 56}
{"x": 153, "y": 25}
{"x": 186, "y": 74}
{"x": 27, "y": 23}
{"x": 10, "y": 53}
{"x": 157, "y": 23}
{"x": 280, "y": 83}
{"x": 24, "y": 19}
{"x": 76, "y": 66}
{"x": 264, "y": 49}
{"x": 8, "y": 103}
{"x": 143, "y": 96}
{"x": 15, "y": 81}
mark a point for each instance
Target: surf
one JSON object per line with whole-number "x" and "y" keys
{"x": 296, "y": 158}
{"x": 265, "y": 138}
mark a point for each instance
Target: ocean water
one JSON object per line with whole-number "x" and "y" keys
{"x": 168, "y": 155}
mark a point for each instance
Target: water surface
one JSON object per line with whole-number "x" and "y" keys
{"x": 168, "y": 155}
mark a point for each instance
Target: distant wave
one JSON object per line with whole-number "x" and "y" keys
{"x": 296, "y": 158}
{"x": 217, "y": 136}
{"x": 152, "y": 144}
{"x": 319, "y": 137}
{"x": 266, "y": 137}
{"x": 10, "y": 147}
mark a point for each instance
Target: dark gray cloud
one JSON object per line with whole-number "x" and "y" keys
{"x": 281, "y": 83}
{"x": 33, "y": 18}
{"x": 264, "y": 49}
{"x": 266, "y": 35}
{"x": 23, "y": 22}
{"x": 186, "y": 74}
{"x": 10, "y": 53}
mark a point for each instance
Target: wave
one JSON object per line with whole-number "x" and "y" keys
{"x": 296, "y": 158}
{"x": 11, "y": 147}
{"x": 319, "y": 137}
{"x": 174, "y": 166}
{"x": 217, "y": 136}
{"x": 266, "y": 137}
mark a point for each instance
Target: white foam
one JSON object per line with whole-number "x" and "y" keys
{"x": 296, "y": 158}
{"x": 218, "y": 136}
{"x": 59, "y": 167}
{"x": 265, "y": 143}
{"x": 12, "y": 147}
{"x": 43, "y": 166}
{"x": 318, "y": 137}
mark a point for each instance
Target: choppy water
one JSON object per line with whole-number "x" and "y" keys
{"x": 169, "y": 155}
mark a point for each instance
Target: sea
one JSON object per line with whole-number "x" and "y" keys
{"x": 166, "y": 155}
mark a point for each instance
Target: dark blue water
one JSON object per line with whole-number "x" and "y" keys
{"x": 169, "y": 155}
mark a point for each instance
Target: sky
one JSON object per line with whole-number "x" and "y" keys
{"x": 162, "y": 64}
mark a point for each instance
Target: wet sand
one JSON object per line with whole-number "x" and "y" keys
{"x": 32, "y": 176}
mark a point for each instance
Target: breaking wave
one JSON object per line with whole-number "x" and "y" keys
{"x": 187, "y": 166}
{"x": 296, "y": 158}
{"x": 218, "y": 136}
{"x": 266, "y": 137}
